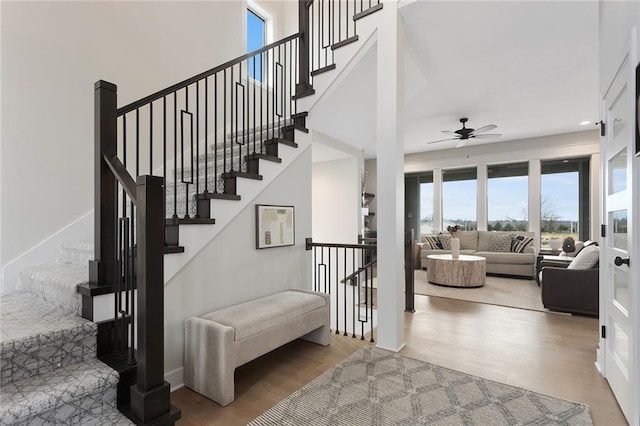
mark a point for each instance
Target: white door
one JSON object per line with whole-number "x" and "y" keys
{"x": 616, "y": 280}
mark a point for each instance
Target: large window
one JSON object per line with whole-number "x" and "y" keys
{"x": 426, "y": 204}
{"x": 508, "y": 197}
{"x": 459, "y": 198}
{"x": 564, "y": 209}
{"x": 256, "y": 38}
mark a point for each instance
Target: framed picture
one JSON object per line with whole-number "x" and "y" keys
{"x": 275, "y": 226}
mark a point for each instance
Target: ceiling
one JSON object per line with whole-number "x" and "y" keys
{"x": 531, "y": 68}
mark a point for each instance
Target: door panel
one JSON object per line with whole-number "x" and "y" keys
{"x": 618, "y": 312}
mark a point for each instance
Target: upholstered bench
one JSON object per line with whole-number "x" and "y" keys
{"x": 218, "y": 342}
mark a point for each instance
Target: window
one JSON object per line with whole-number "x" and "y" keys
{"x": 508, "y": 197}
{"x": 564, "y": 210}
{"x": 459, "y": 198}
{"x": 256, "y": 38}
{"x": 419, "y": 203}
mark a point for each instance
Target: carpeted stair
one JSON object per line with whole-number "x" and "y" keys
{"x": 49, "y": 371}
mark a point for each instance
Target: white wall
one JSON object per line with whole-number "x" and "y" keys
{"x": 230, "y": 270}
{"x": 52, "y": 53}
{"x": 336, "y": 201}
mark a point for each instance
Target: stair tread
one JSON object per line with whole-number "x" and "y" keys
{"x": 219, "y": 196}
{"x": 56, "y": 282}
{"x": 84, "y": 388}
{"x": 35, "y": 337}
{"x": 266, "y": 157}
{"x": 191, "y": 221}
{"x": 24, "y": 315}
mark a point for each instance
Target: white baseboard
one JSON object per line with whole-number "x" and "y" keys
{"x": 175, "y": 378}
{"x": 79, "y": 230}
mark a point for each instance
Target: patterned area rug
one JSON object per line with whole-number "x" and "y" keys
{"x": 378, "y": 387}
{"x": 511, "y": 292}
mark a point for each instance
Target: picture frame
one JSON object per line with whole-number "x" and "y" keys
{"x": 275, "y": 226}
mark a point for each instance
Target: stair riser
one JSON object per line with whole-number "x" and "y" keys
{"x": 81, "y": 410}
{"x": 43, "y": 353}
{"x": 77, "y": 253}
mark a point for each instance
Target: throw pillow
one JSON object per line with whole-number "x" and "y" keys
{"x": 445, "y": 241}
{"x": 433, "y": 241}
{"x": 519, "y": 242}
{"x": 586, "y": 259}
{"x": 500, "y": 242}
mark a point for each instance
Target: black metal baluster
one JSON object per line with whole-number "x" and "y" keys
{"x": 339, "y": 20}
{"x": 119, "y": 271}
{"x": 186, "y": 184}
{"x": 224, "y": 126}
{"x": 215, "y": 133}
{"x": 206, "y": 135}
{"x": 255, "y": 81}
{"x": 234, "y": 132}
{"x": 137, "y": 142}
{"x": 354, "y": 284}
{"x": 337, "y": 293}
{"x": 262, "y": 89}
{"x": 371, "y": 304}
{"x": 164, "y": 149}
{"x": 246, "y": 121}
{"x": 150, "y": 138}
{"x": 197, "y": 161}
{"x": 311, "y": 34}
{"x": 315, "y": 267}
{"x": 175, "y": 155}
{"x": 344, "y": 267}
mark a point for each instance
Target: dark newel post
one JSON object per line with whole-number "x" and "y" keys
{"x": 150, "y": 396}
{"x": 101, "y": 270}
{"x": 303, "y": 87}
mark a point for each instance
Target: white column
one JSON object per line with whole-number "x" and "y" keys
{"x": 535, "y": 199}
{"x": 390, "y": 176}
{"x": 482, "y": 197}
{"x": 437, "y": 200}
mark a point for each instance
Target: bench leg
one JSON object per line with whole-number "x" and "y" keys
{"x": 319, "y": 336}
{"x": 209, "y": 360}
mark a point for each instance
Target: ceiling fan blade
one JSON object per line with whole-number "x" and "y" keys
{"x": 462, "y": 143}
{"x": 485, "y": 128}
{"x": 443, "y": 140}
{"x": 486, "y": 136}
{"x": 448, "y": 132}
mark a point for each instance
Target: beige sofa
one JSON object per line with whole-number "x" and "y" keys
{"x": 498, "y": 262}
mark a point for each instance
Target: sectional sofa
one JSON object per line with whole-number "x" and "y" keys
{"x": 492, "y": 245}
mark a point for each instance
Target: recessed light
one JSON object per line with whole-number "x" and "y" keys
{"x": 583, "y": 123}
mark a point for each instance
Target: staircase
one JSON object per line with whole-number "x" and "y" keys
{"x": 50, "y": 373}
{"x": 163, "y": 164}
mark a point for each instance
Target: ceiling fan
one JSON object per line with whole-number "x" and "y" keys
{"x": 464, "y": 134}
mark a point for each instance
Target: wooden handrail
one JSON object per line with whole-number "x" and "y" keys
{"x": 120, "y": 172}
{"x": 310, "y": 244}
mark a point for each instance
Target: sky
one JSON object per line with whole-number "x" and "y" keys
{"x": 507, "y": 197}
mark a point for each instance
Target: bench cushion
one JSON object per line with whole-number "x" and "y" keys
{"x": 255, "y": 316}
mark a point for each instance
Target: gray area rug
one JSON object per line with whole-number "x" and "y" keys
{"x": 379, "y": 387}
{"x": 511, "y": 292}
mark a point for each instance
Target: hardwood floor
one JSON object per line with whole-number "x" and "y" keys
{"x": 549, "y": 353}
